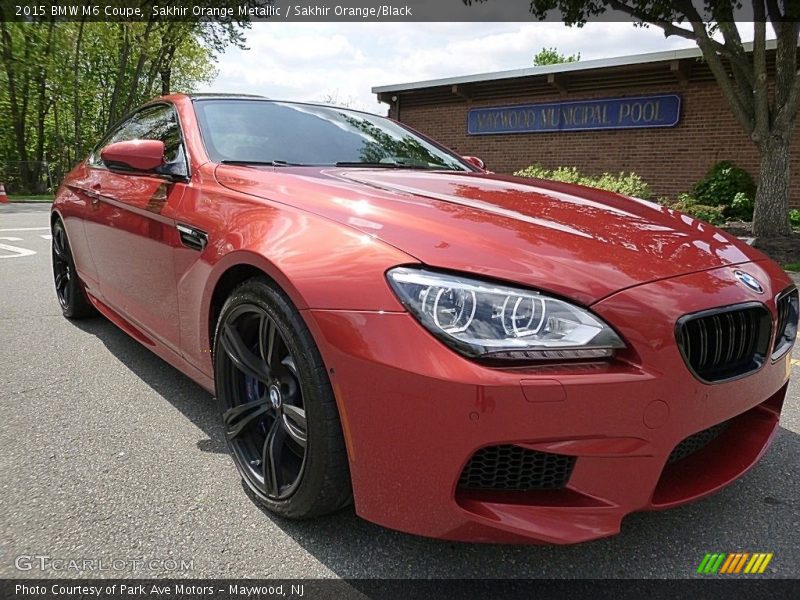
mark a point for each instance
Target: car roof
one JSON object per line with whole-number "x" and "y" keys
{"x": 224, "y": 95}
{"x": 231, "y": 96}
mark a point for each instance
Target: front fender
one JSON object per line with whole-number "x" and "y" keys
{"x": 318, "y": 263}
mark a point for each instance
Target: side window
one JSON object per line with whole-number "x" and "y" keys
{"x": 158, "y": 123}
{"x": 152, "y": 123}
{"x": 117, "y": 135}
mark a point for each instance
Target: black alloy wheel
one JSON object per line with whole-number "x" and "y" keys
{"x": 276, "y": 405}
{"x": 69, "y": 290}
{"x": 265, "y": 422}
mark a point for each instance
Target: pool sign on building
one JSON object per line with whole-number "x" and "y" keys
{"x": 581, "y": 115}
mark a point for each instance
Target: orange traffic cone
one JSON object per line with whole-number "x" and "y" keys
{"x": 3, "y": 197}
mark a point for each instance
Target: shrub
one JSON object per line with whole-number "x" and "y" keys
{"x": 728, "y": 186}
{"x": 628, "y": 184}
{"x": 742, "y": 207}
{"x": 794, "y": 217}
{"x": 688, "y": 204}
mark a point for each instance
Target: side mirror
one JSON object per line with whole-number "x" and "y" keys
{"x": 475, "y": 162}
{"x": 134, "y": 155}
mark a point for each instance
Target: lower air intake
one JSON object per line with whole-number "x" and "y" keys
{"x": 695, "y": 442}
{"x": 509, "y": 467}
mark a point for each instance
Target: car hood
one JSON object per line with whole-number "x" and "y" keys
{"x": 571, "y": 240}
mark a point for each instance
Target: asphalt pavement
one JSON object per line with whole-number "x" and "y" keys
{"x": 109, "y": 455}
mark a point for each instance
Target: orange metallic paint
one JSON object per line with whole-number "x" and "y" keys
{"x": 414, "y": 410}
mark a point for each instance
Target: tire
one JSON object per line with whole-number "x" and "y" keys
{"x": 69, "y": 289}
{"x": 277, "y": 405}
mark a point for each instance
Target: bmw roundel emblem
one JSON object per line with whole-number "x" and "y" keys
{"x": 749, "y": 281}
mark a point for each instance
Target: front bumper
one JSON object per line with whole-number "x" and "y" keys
{"x": 413, "y": 413}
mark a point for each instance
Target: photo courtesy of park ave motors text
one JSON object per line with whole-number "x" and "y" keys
{"x": 502, "y": 291}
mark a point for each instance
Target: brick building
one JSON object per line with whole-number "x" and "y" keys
{"x": 512, "y": 119}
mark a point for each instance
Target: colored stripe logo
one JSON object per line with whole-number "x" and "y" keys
{"x": 734, "y": 564}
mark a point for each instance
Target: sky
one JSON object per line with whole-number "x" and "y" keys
{"x": 341, "y": 62}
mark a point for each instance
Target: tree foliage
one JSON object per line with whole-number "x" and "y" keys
{"x": 63, "y": 84}
{"x": 764, "y": 104}
{"x": 551, "y": 56}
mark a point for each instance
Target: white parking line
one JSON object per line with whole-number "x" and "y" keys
{"x": 46, "y": 236}
{"x": 17, "y": 251}
{"x": 28, "y": 229}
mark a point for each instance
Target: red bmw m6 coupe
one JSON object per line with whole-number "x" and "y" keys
{"x": 461, "y": 354}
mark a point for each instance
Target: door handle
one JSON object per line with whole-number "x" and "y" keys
{"x": 191, "y": 237}
{"x": 94, "y": 193}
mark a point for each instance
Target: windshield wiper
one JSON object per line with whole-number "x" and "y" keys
{"x": 384, "y": 165}
{"x": 261, "y": 163}
{"x": 362, "y": 164}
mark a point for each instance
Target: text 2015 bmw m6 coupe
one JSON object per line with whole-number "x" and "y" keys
{"x": 461, "y": 354}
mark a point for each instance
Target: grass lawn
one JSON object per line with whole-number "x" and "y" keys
{"x": 792, "y": 266}
{"x": 31, "y": 198}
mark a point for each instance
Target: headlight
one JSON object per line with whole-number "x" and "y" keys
{"x": 494, "y": 321}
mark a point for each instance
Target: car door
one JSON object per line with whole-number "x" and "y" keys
{"x": 131, "y": 231}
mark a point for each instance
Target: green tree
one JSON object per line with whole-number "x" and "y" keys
{"x": 551, "y": 56}
{"x": 764, "y": 103}
{"x": 63, "y": 84}
{"x": 27, "y": 59}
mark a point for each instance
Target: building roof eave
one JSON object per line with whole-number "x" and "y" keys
{"x": 602, "y": 63}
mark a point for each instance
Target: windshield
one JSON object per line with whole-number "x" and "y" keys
{"x": 282, "y": 133}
